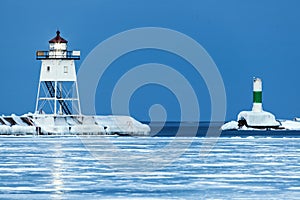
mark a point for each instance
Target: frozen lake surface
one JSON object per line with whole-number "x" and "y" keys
{"x": 69, "y": 168}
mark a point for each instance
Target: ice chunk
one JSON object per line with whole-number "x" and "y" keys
{"x": 232, "y": 125}
{"x": 290, "y": 125}
{"x": 23, "y": 129}
{"x": 4, "y": 129}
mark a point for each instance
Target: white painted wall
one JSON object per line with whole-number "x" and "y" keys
{"x": 58, "y": 70}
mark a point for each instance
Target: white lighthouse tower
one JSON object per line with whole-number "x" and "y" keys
{"x": 57, "y": 109}
{"x": 57, "y": 91}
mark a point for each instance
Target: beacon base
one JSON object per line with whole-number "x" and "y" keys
{"x": 260, "y": 119}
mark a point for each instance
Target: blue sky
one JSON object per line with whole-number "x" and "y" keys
{"x": 244, "y": 38}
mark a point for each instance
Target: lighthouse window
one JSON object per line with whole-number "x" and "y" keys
{"x": 65, "y": 69}
{"x": 48, "y": 68}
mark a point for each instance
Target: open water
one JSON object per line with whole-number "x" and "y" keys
{"x": 259, "y": 167}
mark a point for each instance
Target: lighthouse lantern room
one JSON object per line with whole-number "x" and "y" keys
{"x": 58, "y": 91}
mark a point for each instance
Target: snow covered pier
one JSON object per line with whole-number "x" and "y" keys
{"x": 31, "y": 124}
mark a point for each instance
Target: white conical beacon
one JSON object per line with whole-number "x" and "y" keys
{"x": 58, "y": 79}
{"x": 257, "y": 117}
{"x": 257, "y": 95}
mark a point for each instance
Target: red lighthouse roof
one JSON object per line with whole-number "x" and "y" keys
{"x": 58, "y": 39}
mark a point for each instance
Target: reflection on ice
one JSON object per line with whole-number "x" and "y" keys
{"x": 57, "y": 167}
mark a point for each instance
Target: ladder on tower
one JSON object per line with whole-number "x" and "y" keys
{"x": 63, "y": 104}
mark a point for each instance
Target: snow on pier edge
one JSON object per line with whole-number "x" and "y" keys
{"x": 35, "y": 124}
